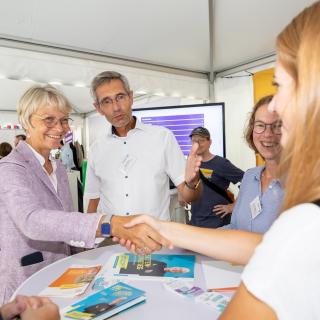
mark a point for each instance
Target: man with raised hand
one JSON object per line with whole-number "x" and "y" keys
{"x": 214, "y": 207}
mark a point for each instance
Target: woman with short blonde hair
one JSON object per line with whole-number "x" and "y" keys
{"x": 35, "y": 199}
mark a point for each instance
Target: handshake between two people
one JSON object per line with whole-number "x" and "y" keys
{"x": 140, "y": 234}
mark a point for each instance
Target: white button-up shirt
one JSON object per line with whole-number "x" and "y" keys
{"x": 131, "y": 174}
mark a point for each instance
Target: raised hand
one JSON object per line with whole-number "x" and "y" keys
{"x": 193, "y": 164}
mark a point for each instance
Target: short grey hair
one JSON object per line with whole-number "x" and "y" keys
{"x": 39, "y": 96}
{"x": 106, "y": 77}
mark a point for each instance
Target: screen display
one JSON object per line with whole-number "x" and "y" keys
{"x": 181, "y": 120}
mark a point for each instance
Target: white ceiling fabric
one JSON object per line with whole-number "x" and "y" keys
{"x": 18, "y": 67}
{"x": 172, "y": 34}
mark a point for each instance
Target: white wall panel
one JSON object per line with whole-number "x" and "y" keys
{"x": 237, "y": 94}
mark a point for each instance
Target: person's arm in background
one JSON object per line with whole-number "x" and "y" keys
{"x": 30, "y": 308}
{"x": 234, "y": 246}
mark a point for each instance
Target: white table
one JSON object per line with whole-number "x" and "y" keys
{"x": 160, "y": 304}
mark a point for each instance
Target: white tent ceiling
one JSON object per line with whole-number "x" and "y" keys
{"x": 176, "y": 42}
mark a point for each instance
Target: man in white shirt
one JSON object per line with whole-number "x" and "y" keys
{"x": 129, "y": 167}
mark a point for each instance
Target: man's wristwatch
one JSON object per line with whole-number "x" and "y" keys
{"x": 195, "y": 187}
{"x": 106, "y": 227}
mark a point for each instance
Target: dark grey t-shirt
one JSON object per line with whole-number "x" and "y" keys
{"x": 221, "y": 172}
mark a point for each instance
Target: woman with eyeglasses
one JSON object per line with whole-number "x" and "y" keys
{"x": 37, "y": 222}
{"x": 281, "y": 279}
{"x": 260, "y": 196}
{"x": 35, "y": 201}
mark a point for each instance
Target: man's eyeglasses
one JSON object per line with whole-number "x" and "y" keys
{"x": 51, "y": 122}
{"x": 260, "y": 127}
{"x": 108, "y": 102}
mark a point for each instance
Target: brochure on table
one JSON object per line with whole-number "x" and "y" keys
{"x": 150, "y": 267}
{"x": 105, "y": 303}
{"x": 74, "y": 281}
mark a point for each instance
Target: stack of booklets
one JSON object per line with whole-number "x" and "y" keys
{"x": 105, "y": 303}
{"x": 150, "y": 267}
{"x": 74, "y": 281}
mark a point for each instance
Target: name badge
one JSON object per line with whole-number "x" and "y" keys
{"x": 255, "y": 207}
{"x": 127, "y": 163}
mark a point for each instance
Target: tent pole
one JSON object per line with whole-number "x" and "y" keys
{"x": 211, "y": 75}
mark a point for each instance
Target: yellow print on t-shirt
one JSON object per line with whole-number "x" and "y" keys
{"x": 207, "y": 172}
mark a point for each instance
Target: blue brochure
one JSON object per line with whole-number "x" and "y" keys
{"x": 152, "y": 267}
{"x": 105, "y": 303}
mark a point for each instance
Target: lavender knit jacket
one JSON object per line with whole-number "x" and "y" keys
{"x": 34, "y": 217}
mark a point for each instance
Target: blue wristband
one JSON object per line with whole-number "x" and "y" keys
{"x": 105, "y": 229}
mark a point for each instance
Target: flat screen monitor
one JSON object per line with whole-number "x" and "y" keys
{"x": 181, "y": 120}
